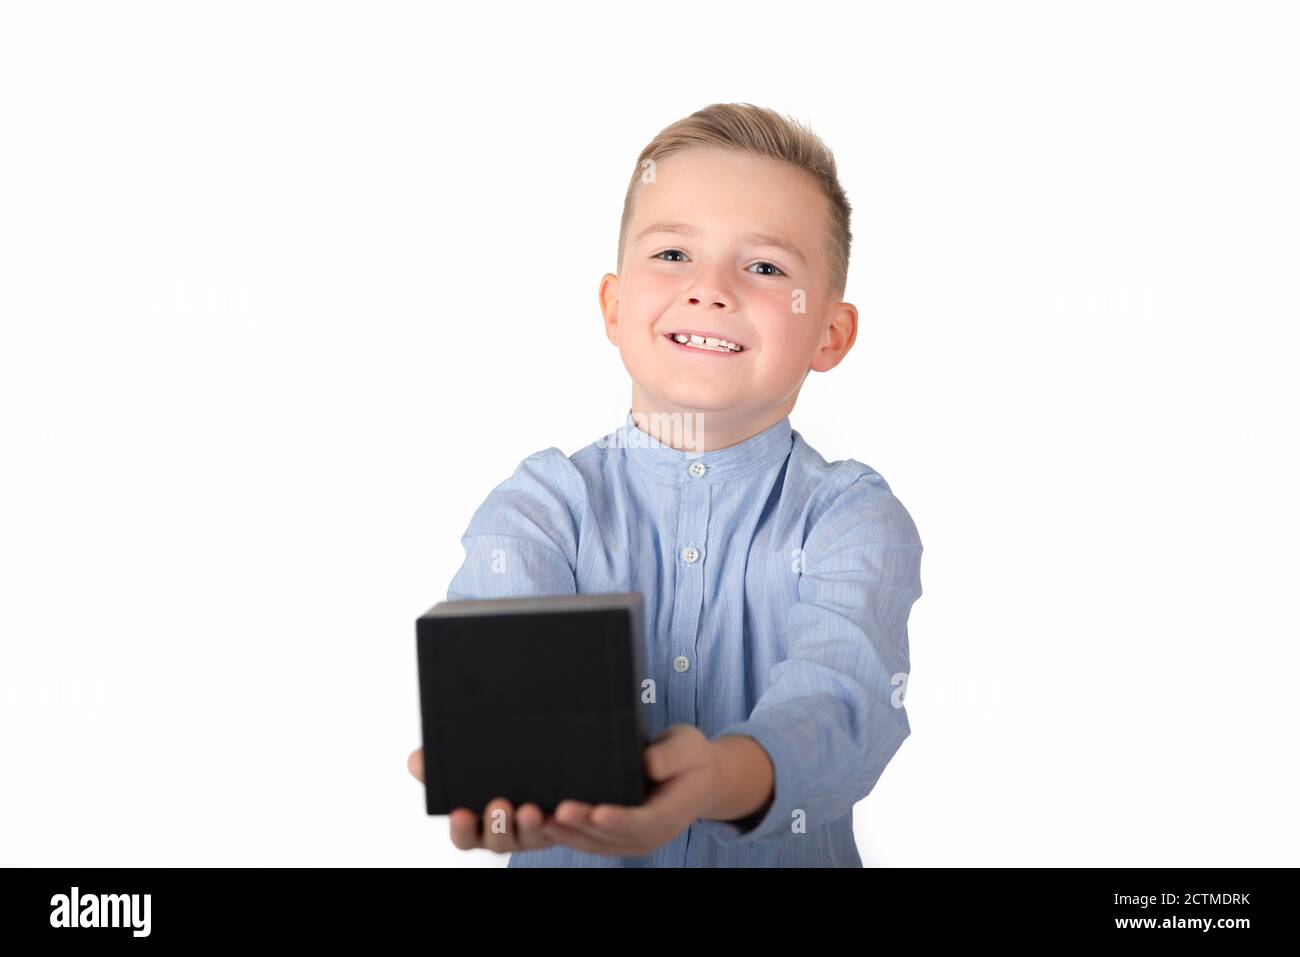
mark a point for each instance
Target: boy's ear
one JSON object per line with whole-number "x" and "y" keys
{"x": 609, "y": 305}
{"x": 841, "y": 332}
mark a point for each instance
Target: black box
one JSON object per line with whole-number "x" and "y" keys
{"x": 534, "y": 700}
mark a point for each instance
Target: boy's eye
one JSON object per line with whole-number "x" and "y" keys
{"x": 667, "y": 252}
{"x": 777, "y": 269}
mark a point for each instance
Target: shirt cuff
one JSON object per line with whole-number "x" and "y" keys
{"x": 776, "y": 823}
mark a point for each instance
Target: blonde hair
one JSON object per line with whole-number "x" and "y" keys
{"x": 745, "y": 128}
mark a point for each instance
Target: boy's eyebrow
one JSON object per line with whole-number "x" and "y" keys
{"x": 685, "y": 229}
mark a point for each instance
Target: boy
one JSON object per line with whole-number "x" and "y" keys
{"x": 777, "y": 585}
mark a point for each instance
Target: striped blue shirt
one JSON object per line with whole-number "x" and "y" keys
{"x": 777, "y": 589}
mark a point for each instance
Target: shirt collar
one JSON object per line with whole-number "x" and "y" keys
{"x": 757, "y": 452}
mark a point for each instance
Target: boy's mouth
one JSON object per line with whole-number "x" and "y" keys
{"x": 699, "y": 341}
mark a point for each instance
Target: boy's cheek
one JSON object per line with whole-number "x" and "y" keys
{"x": 645, "y": 293}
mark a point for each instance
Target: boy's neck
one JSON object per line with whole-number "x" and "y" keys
{"x": 690, "y": 430}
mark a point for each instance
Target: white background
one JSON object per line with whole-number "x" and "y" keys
{"x": 286, "y": 289}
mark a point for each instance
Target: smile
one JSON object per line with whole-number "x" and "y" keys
{"x": 697, "y": 342}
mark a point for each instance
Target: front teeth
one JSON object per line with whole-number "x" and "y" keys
{"x": 706, "y": 342}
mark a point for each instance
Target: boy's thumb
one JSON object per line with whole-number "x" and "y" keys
{"x": 670, "y": 754}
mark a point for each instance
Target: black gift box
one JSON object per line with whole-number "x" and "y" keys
{"x": 533, "y": 699}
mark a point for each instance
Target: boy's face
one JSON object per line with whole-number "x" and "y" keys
{"x": 702, "y": 255}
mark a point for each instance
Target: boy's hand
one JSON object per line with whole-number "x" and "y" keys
{"x": 684, "y": 762}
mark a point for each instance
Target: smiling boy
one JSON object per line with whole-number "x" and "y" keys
{"x": 777, "y": 585}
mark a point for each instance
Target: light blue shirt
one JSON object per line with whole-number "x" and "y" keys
{"x": 777, "y": 588}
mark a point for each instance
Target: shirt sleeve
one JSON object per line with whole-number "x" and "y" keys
{"x": 522, "y": 542}
{"x": 832, "y": 716}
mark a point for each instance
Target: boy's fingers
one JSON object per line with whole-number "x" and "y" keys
{"x": 572, "y": 813}
{"x": 523, "y": 829}
{"x": 573, "y": 819}
{"x": 415, "y": 764}
{"x": 499, "y": 826}
{"x": 528, "y": 828}
{"x": 572, "y": 837}
{"x": 464, "y": 829}
{"x": 576, "y": 816}
{"x": 615, "y": 818}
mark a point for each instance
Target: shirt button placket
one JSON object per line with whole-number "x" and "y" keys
{"x": 692, "y": 535}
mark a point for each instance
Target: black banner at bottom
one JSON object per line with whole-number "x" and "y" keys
{"x": 1222, "y": 908}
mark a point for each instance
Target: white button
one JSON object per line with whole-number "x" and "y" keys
{"x": 690, "y": 554}
{"x": 681, "y": 663}
{"x": 697, "y": 469}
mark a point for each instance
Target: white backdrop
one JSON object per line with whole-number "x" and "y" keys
{"x": 287, "y": 288}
